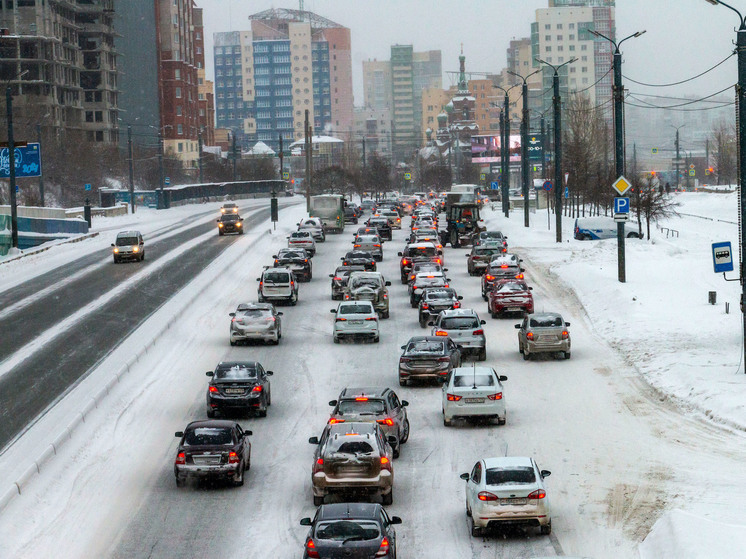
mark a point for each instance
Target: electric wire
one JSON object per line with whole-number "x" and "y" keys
{"x": 731, "y": 55}
{"x": 598, "y": 82}
{"x": 683, "y": 104}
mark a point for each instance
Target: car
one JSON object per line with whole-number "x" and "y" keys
{"x": 543, "y": 333}
{"x": 315, "y": 226}
{"x": 128, "y": 245}
{"x": 366, "y": 230}
{"x": 302, "y": 239}
{"x": 464, "y": 327}
{"x": 369, "y": 243}
{"x": 424, "y": 266}
{"x": 367, "y": 205}
{"x": 297, "y": 260}
{"x": 382, "y": 224}
{"x": 360, "y": 258}
{"x": 510, "y": 296}
{"x": 340, "y": 278}
{"x": 437, "y": 299}
{"x": 427, "y": 236}
{"x": 212, "y": 448}
{"x": 239, "y": 386}
{"x": 350, "y": 215}
{"x": 480, "y": 257}
{"x": 415, "y": 252}
{"x": 507, "y": 266}
{"x": 256, "y": 321}
{"x": 352, "y": 457}
{"x": 355, "y": 319}
{"x": 507, "y": 490}
{"x": 422, "y": 281}
{"x": 392, "y": 216}
{"x": 351, "y": 530}
{"x": 379, "y": 405}
{"x": 369, "y": 286}
{"x": 277, "y": 284}
{"x": 230, "y": 223}
{"x": 492, "y": 238}
{"x": 229, "y": 208}
{"x": 473, "y": 392}
{"x": 428, "y": 358}
{"x": 599, "y": 227}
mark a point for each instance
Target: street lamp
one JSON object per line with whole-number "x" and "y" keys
{"x": 524, "y": 142}
{"x": 741, "y": 90}
{"x": 12, "y": 164}
{"x": 619, "y": 138}
{"x": 678, "y": 159}
{"x": 505, "y": 151}
{"x": 557, "y": 145}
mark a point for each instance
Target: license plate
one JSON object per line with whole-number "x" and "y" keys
{"x": 513, "y": 501}
{"x": 474, "y": 400}
{"x": 513, "y": 309}
{"x": 356, "y": 322}
{"x": 546, "y": 338}
{"x": 234, "y": 390}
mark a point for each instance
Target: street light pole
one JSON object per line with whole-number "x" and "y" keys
{"x": 741, "y": 114}
{"x": 505, "y": 151}
{"x": 132, "y": 168}
{"x": 678, "y": 156}
{"x": 12, "y": 169}
{"x": 160, "y": 168}
{"x": 41, "y": 166}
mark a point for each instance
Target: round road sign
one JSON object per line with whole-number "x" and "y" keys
{"x": 547, "y": 185}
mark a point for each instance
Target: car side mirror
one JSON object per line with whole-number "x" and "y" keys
{"x": 269, "y": 373}
{"x": 482, "y": 322}
{"x": 248, "y": 433}
{"x": 305, "y": 521}
{"x": 517, "y": 326}
{"x": 530, "y": 288}
{"x": 404, "y": 403}
{"x": 464, "y": 476}
{"x": 392, "y": 440}
{"x": 179, "y": 434}
{"x": 546, "y": 473}
{"x": 388, "y": 284}
{"x": 460, "y": 297}
{"x": 217, "y": 221}
{"x": 331, "y": 275}
{"x": 342, "y": 258}
{"x": 313, "y": 440}
{"x": 523, "y": 269}
{"x": 258, "y": 279}
{"x": 232, "y": 314}
{"x": 398, "y": 253}
{"x": 279, "y": 313}
{"x": 403, "y": 347}
{"x": 332, "y": 310}
{"x": 209, "y": 374}
{"x": 395, "y": 520}
{"x": 567, "y": 324}
{"x": 520, "y": 260}
{"x": 240, "y": 219}
{"x": 445, "y": 269}
{"x": 332, "y": 402}
{"x": 467, "y": 255}
{"x": 502, "y": 378}
{"x": 112, "y": 244}
{"x": 274, "y": 256}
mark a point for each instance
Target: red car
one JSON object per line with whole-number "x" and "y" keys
{"x": 510, "y": 296}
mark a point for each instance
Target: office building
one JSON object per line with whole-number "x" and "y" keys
{"x": 375, "y": 126}
{"x": 205, "y": 93}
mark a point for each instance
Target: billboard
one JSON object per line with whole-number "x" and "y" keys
{"x": 27, "y": 161}
{"x": 486, "y": 149}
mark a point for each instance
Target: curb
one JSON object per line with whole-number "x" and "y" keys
{"x": 30, "y": 252}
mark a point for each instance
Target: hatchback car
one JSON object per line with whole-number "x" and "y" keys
{"x": 352, "y": 457}
{"x": 367, "y": 230}
{"x": 340, "y": 277}
{"x": 256, "y": 321}
{"x": 302, "y": 239}
{"x": 355, "y": 319}
{"x": 492, "y": 237}
{"x": 360, "y": 258}
{"x": 379, "y": 405}
{"x": 229, "y": 208}
{"x": 543, "y": 333}
{"x": 464, "y": 327}
{"x": 419, "y": 267}
{"x": 277, "y": 284}
{"x": 230, "y": 223}
{"x": 239, "y": 386}
{"x": 297, "y": 260}
{"x": 369, "y": 286}
{"x": 428, "y": 358}
{"x": 509, "y": 296}
{"x": 128, "y": 245}
{"x": 480, "y": 257}
{"x": 422, "y": 281}
{"x": 350, "y": 215}
{"x": 473, "y": 392}
{"x": 383, "y": 226}
{"x": 369, "y": 243}
{"x": 507, "y": 490}
{"x": 351, "y": 530}
{"x": 211, "y": 448}
{"x": 392, "y": 216}
{"x": 437, "y": 299}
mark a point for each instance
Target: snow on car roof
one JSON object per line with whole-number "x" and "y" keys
{"x": 508, "y": 462}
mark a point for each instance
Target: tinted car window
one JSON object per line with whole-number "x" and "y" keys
{"x": 424, "y": 346}
{"x": 342, "y": 530}
{"x": 254, "y": 313}
{"x": 341, "y": 445}
{"x": 547, "y": 322}
{"x": 229, "y": 217}
{"x": 354, "y": 309}
{"x": 127, "y": 241}
{"x": 512, "y": 476}
{"x": 208, "y": 436}
{"x": 459, "y": 323}
{"x": 236, "y": 373}
{"x": 461, "y": 381}
{"x": 276, "y": 277}
{"x": 361, "y": 406}
{"x": 512, "y": 286}
{"x": 425, "y": 252}
{"x": 438, "y": 295}
{"x": 356, "y": 282}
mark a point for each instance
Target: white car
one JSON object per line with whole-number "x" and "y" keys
{"x": 355, "y": 319}
{"x": 507, "y": 490}
{"x": 302, "y": 239}
{"x": 315, "y": 226}
{"x": 474, "y": 392}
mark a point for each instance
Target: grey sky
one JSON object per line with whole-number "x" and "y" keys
{"x": 684, "y": 37}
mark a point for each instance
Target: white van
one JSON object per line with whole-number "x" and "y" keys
{"x": 599, "y": 227}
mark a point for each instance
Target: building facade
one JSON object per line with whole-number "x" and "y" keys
{"x": 434, "y": 100}
{"x": 205, "y": 95}
{"x": 375, "y": 126}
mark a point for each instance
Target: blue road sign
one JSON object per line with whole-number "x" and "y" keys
{"x": 27, "y": 161}
{"x": 547, "y": 185}
{"x": 87, "y": 186}
{"x": 621, "y": 205}
{"x": 722, "y": 257}
{"x": 567, "y": 192}
{"x": 494, "y": 185}
{"x": 167, "y": 181}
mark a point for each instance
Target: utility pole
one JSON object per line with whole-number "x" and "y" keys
{"x": 132, "y": 169}
{"x": 160, "y": 168}
{"x": 235, "y": 158}
{"x": 282, "y": 160}
{"x": 364, "y": 162}
{"x": 41, "y": 166}
{"x": 502, "y": 159}
{"x": 543, "y": 155}
{"x": 12, "y": 169}
{"x": 678, "y": 161}
{"x": 308, "y": 164}
{"x": 506, "y": 175}
{"x": 199, "y": 158}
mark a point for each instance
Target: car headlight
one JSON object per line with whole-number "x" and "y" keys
{"x": 116, "y": 250}
{"x": 220, "y": 224}
{"x": 238, "y": 224}
{"x": 135, "y": 249}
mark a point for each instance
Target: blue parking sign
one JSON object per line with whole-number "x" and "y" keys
{"x": 621, "y": 205}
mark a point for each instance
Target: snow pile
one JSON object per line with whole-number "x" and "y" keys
{"x": 679, "y": 534}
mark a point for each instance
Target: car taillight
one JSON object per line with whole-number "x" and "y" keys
{"x": 232, "y": 458}
{"x": 565, "y": 334}
{"x": 180, "y": 458}
{"x": 489, "y": 277}
{"x": 404, "y": 262}
{"x": 292, "y": 284}
{"x": 441, "y": 333}
{"x": 388, "y": 421}
{"x": 503, "y": 266}
{"x": 335, "y": 278}
{"x": 497, "y": 396}
{"x": 479, "y": 332}
{"x": 347, "y": 297}
{"x": 373, "y": 263}
{"x": 356, "y": 246}
{"x": 306, "y": 260}
{"x": 438, "y": 261}
{"x": 453, "y": 397}
{"x": 446, "y": 285}
{"x": 276, "y": 262}
{"x": 538, "y": 494}
{"x": 334, "y": 421}
{"x": 385, "y": 463}
{"x": 341, "y": 320}
{"x": 456, "y": 305}
{"x": 361, "y": 399}
{"x": 519, "y": 276}
{"x": 379, "y": 246}
{"x": 425, "y": 306}
{"x": 404, "y": 360}
{"x": 384, "y": 549}
{"x": 371, "y": 318}
{"x": 444, "y": 359}
{"x": 257, "y": 388}
{"x": 311, "y": 549}
{"x": 213, "y": 389}
{"x": 529, "y": 335}
{"x": 268, "y": 319}
{"x": 486, "y": 496}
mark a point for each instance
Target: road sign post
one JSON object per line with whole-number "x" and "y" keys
{"x": 621, "y": 186}
{"x": 722, "y": 257}
{"x": 547, "y": 186}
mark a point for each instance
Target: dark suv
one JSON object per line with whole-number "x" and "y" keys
{"x": 230, "y": 223}
{"x": 340, "y": 277}
{"x": 383, "y": 226}
{"x": 297, "y": 260}
{"x": 417, "y": 252}
{"x": 436, "y": 299}
{"x": 239, "y": 386}
{"x": 360, "y": 258}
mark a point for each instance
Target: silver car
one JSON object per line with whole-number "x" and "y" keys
{"x": 369, "y": 243}
{"x": 543, "y": 333}
{"x": 369, "y": 286}
{"x": 256, "y": 321}
{"x": 464, "y": 327}
{"x": 473, "y": 392}
{"x": 355, "y": 319}
{"x": 277, "y": 284}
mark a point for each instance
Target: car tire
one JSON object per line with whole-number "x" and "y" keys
{"x": 318, "y": 501}
{"x": 233, "y": 342}
{"x": 567, "y": 354}
{"x": 476, "y": 531}
{"x": 412, "y": 303}
{"x": 388, "y": 498}
{"x": 142, "y": 257}
{"x": 293, "y": 300}
{"x": 447, "y": 422}
{"x": 240, "y": 232}
{"x": 405, "y": 438}
{"x": 180, "y": 482}
{"x": 220, "y": 233}
{"x": 238, "y": 478}
{"x": 276, "y": 341}
{"x": 423, "y": 323}
{"x": 336, "y": 340}
{"x": 403, "y": 279}
{"x": 468, "y": 510}
{"x": 526, "y": 356}
{"x": 493, "y": 314}
{"x": 503, "y": 420}
{"x": 376, "y": 339}
{"x": 482, "y": 355}
{"x": 397, "y": 450}
{"x": 260, "y": 298}
{"x": 262, "y": 412}
{"x": 116, "y": 261}
{"x": 546, "y": 530}
{"x": 211, "y": 414}
{"x": 385, "y": 314}
{"x": 403, "y": 381}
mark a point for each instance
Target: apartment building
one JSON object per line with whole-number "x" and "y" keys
{"x": 375, "y": 126}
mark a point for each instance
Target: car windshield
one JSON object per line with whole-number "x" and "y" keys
{"x": 276, "y": 277}
{"x": 459, "y": 323}
{"x": 355, "y": 309}
{"x": 343, "y": 445}
{"x": 487, "y": 251}
{"x": 512, "y": 286}
{"x": 357, "y": 282}
{"x": 546, "y": 322}
{"x": 347, "y": 530}
{"x": 433, "y": 295}
{"x": 424, "y": 252}
{"x": 291, "y": 255}
{"x": 491, "y": 235}
{"x": 425, "y": 347}
{"x": 230, "y": 217}
{"x": 361, "y": 407}
{"x": 510, "y": 476}
{"x": 126, "y": 241}
{"x": 359, "y": 254}
{"x": 366, "y": 239}
{"x": 473, "y": 379}
{"x": 236, "y": 372}
{"x": 254, "y": 313}
{"x": 208, "y": 436}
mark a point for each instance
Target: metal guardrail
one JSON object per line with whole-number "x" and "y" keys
{"x": 672, "y": 232}
{"x": 709, "y": 218}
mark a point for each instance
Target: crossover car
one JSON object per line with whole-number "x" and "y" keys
{"x": 340, "y": 277}
{"x": 473, "y": 392}
{"x": 239, "y": 386}
{"x": 392, "y": 216}
{"x": 212, "y": 448}
{"x": 464, "y": 327}
{"x": 417, "y": 252}
{"x": 367, "y": 230}
{"x": 297, "y": 260}
{"x": 543, "y": 333}
{"x": 352, "y": 457}
{"x": 351, "y": 530}
{"x": 480, "y": 257}
{"x": 382, "y": 224}
{"x": 492, "y": 237}
{"x": 428, "y": 358}
{"x": 360, "y": 258}
{"x": 369, "y": 243}
{"x": 355, "y": 319}
{"x": 229, "y": 208}
{"x": 507, "y": 266}
{"x": 277, "y": 284}
{"x": 302, "y": 239}
{"x": 599, "y": 227}
{"x": 256, "y": 321}
{"x": 379, "y": 405}
{"x": 350, "y": 215}
{"x": 230, "y": 223}
{"x": 437, "y": 299}
{"x": 510, "y": 296}
{"x": 507, "y": 490}
{"x": 422, "y": 281}
{"x": 128, "y": 245}
{"x": 419, "y": 267}
{"x": 369, "y": 286}
{"x": 315, "y": 226}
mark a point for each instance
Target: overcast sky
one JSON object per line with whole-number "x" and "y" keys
{"x": 684, "y": 37}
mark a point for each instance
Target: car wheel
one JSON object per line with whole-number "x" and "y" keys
{"x": 336, "y": 340}
{"x": 403, "y": 279}
{"x": 403, "y": 381}
{"x": 276, "y": 341}
{"x": 376, "y": 339}
{"x": 233, "y": 342}
{"x": 567, "y": 354}
{"x": 388, "y": 498}
{"x": 526, "y": 356}
{"x": 468, "y": 510}
{"x": 262, "y": 412}
{"x": 447, "y": 422}
{"x": 397, "y": 450}
{"x": 180, "y": 482}
{"x": 412, "y": 303}
{"x": 502, "y": 420}
{"x": 116, "y": 261}
{"x": 520, "y": 348}
{"x": 403, "y": 439}
{"x": 260, "y": 298}
{"x": 546, "y": 530}
{"x": 476, "y": 531}
{"x": 482, "y": 355}
{"x": 293, "y": 300}
{"x": 238, "y": 478}
{"x": 211, "y": 414}
{"x": 318, "y": 501}
{"x": 492, "y": 313}
{"x": 423, "y": 322}
{"x": 142, "y": 257}
{"x": 385, "y": 314}
{"x": 220, "y": 233}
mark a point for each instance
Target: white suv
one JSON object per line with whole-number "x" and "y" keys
{"x": 277, "y": 284}
{"x": 302, "y": 239}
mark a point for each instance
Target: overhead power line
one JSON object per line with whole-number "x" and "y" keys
{"x": 731, "y": 55}
{"x": 681, "y": 104}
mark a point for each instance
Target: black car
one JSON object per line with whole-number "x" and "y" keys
{"x": 230, "y": 223}
{"x": 383, "y": 226}
{"x": 350, "y": 215}
{"x": 239, "y": 386}
{"x": 340, "y": 277}
{"x": 498, "y": 270}
{"x": 428, "y": 357}
{"x": 297, "y": 260}
{"x": 360, "y": 258}
{"x": 212, "y": 448}
{"x": 351, "y": 530}
{"x": 437, "y": 299}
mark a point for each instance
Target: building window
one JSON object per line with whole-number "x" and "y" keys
{"x": 583, "y": 47}
{"x": 559, "y": 37}
{"x": 547, "y": 26}
{"x": 181, "y": 146}
{"x": 572, "y": 37}
{"x": 180, "y": 129}
{"x": 178, "y": 110}
{"x": 177, "y": 74}
{"x": 549, "y": 49}
{"x": 572, "y": 48}
{"x": 571, "y": 26}
{"x": 559, "y": 26}
{"x": 560, "y": 48}
{"x": 547, "y": 37}
{"x": 177, "y": 92}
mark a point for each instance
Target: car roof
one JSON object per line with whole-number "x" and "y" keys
{"x": 545, "y": 315}
{"x": 355, "y": 302}
{"x": 215, "y": 423}
{"x": 253, "y": 306}
{"x": 425, "y": 339}
{"x": 352, "y": 427}
{"x": 431, "y": 273}
{"x": 240, "y": 364}
{"x": 364, "y": 392}
{"x": 277, "y": 269}
{"x": 466, "y": 371}
{"x": 459, "y": 312}
{"x": 128, "y": 233}
{"x": 421, "y": 245}
{"x": 368, "y": 274}
{"x": 349, "y": 510}
{"x": 350, "y": 269}
{"x": 229, "y": 204}
{"x": 508, "y": 462}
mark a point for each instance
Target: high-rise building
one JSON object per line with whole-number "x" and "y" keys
{"x": 205, "y": 95}
{"x": 434, "y": 100}
{"x": 375, "y": 126}
{"x": 60, "y": 62}
{"x": 377, "y": 84}
{"x": 267, "y": 77}
{"x": 584, "y": 3}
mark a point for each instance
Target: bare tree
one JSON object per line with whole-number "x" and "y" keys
{"x": 653, "y": 205}
{"x": 724, "y": 138}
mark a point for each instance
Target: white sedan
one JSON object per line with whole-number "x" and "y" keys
{"x": 507, "y": 490}
{"x": 355, "y": 319}
{"x": 473, "y": 392}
